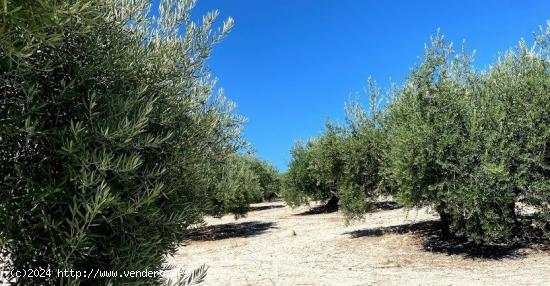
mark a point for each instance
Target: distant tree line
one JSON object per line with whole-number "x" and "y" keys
{"x": 472, "y": 145}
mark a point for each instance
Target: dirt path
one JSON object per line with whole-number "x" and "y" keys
{"x": 276, "y": 245}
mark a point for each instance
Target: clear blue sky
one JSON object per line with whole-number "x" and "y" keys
{"x": 291, "y": 64}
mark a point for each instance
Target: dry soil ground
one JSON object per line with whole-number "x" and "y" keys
{"x": 277, "y": 245}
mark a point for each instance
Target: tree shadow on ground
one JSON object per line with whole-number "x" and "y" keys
{"x": 386, "y": 205}
{"x": 262, "y": 208}
{"x": 228, "y": 230}
{"x": 322, "y": 209}
{"x": 434, "y": 240}
{"x": 329, "y": 208}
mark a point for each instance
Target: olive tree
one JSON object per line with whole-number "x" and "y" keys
{"x": 362, "y": 181}
{"x": 472, "y": 144}
{"x": 111, "y": 136}
{"x": 268, "y": 176}
{"x": 343, "y": 164}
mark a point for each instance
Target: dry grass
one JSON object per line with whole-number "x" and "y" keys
{"x": 276, "y": 245}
